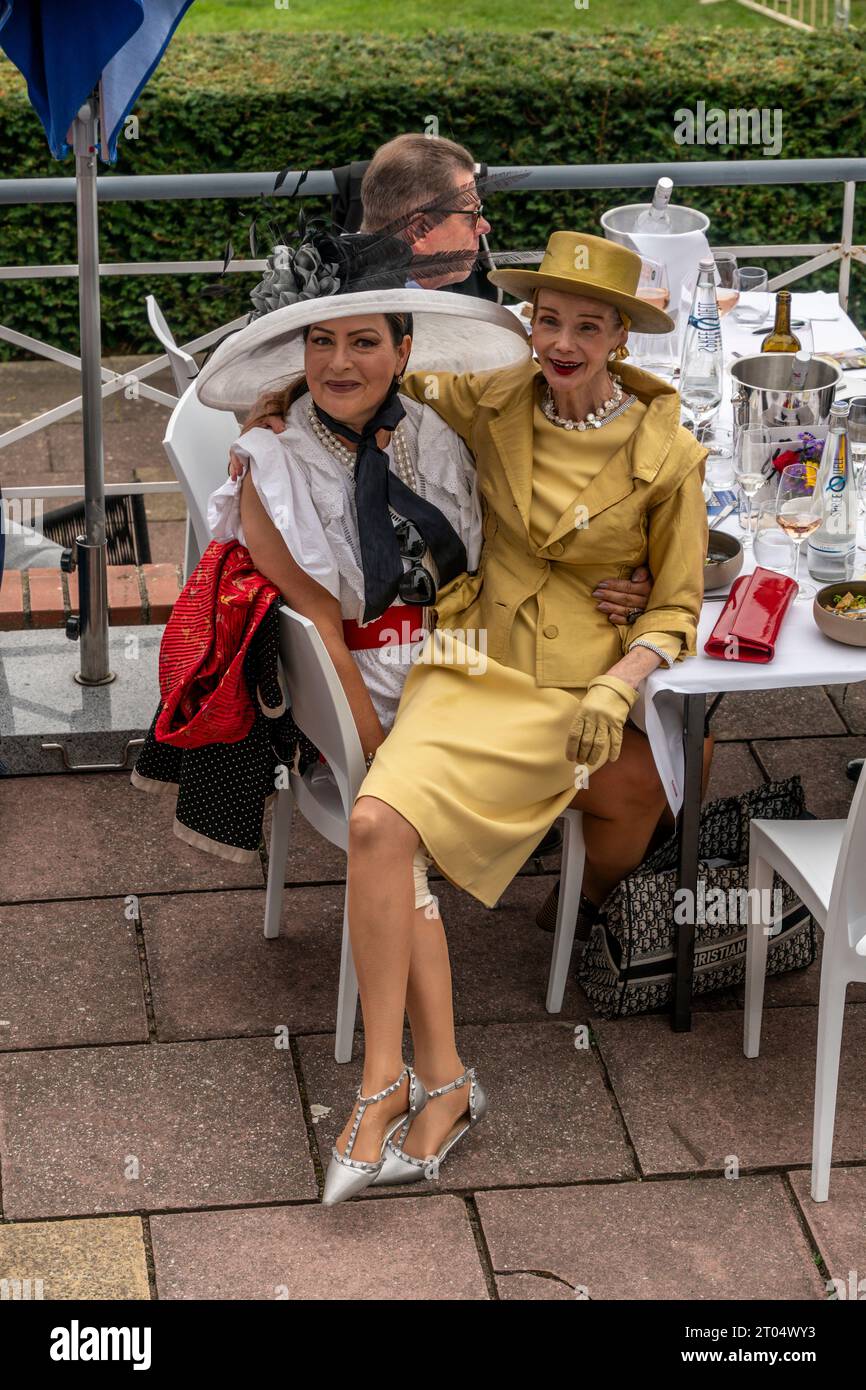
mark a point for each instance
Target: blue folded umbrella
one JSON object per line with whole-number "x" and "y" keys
{"x": 65, "y": 48}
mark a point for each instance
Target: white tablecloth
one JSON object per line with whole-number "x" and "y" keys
{"x": 804, "y": 656}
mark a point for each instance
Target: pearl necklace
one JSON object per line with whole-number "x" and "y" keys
{"x": 595, "y": 418}
{"x": 334, "y": 446}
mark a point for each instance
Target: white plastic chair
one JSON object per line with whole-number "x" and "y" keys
{"x": 197, "y": 441}
{"x": 570, "y": 882}
{"x": 184, "y": 368}
{"x": 824, "y": 861}
{"x": 324, "y": 796}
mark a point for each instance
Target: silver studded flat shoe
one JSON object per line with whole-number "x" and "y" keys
{"x": 347, "y": 1176}
{"x": 400, "y": 1167}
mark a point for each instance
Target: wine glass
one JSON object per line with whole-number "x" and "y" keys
{"x": 799, "y": 512}
{"x": 754, "y": 449}
{"x": 753, "y": 280}
{"x": 653, "y": 284}
{"x": 727, "y": 281}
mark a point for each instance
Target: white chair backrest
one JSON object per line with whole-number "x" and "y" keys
{"x": 848, "y": 896}
{"x": 184, "y": 368}
{"x": 197, "y": 442}
{"x": 319, "y": 703}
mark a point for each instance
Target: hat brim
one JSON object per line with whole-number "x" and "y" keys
{"x": 645, "y": 317}
{"x": 451, "y": 333}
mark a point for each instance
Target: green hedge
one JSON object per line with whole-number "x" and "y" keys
{"x": 256, "y": 102}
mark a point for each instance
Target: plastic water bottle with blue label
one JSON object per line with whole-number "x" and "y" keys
{"x": 702, "y": 362}
{"x": 832, "y": 547}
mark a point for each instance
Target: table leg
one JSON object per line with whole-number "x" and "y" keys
{"x": 689, "y": 826}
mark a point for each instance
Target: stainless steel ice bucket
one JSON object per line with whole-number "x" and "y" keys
{"x": 619, "y": 222}
{"x": 761, "y": 395}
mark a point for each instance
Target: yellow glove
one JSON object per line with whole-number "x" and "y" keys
{"x": 595, "y": 736}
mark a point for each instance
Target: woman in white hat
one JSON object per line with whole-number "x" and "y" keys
{"x": 359, "y": 510}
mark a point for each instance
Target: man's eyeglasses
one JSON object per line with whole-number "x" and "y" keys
{"x": 475, "y": 213}
{"x": 417, "y": 584}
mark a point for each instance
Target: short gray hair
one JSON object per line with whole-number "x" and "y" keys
{"x": 409, "y": 173}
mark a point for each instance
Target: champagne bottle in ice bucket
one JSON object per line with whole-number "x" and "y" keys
{"x": 702, "y": 365}
{"x": 831, "y": 549}
{"x": 656, "y": 217}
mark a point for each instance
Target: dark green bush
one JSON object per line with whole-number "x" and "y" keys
{"x": 258, "y": 102}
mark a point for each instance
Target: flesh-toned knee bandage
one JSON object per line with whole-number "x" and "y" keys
{"x": 420, "y": 864}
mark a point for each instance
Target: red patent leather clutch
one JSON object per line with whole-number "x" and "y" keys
{"x": 750, "y": 620}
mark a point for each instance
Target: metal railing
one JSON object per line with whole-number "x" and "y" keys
{"x": 806, "y": 15}
{"x": 134, "y": 188}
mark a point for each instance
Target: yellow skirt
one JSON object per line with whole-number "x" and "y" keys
{"x": 476, "y": 763}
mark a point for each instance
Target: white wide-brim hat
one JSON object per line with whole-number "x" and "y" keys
{"x": 450, "y": 333}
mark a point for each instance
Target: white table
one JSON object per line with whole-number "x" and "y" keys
{"x": 674, "y": 707}
{"x": 674, "y": 701}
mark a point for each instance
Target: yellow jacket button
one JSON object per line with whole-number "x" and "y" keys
{"x": 551, "y": 630}
{"x": 556, "y": 548}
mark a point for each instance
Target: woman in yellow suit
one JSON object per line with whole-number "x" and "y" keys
{"x": 519, "y": 704}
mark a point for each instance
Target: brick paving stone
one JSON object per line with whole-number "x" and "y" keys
{"x": 105, "y": 838}
{"x": 733, "y": 770}
{"x": 46, "y": 597}
{"x": 214, "y": 974}
{"x": 821, "y": 764}
{"x": 551, "y": 1115}
{"x": 207, "y": 1124}
{"x": 837, "y": 1225}
{"x": 692, "y": 1100}
{"x": 19, "y": 461}
{"x": 311, "y": 858}
{"x": 124, "y": 595}
{"x": 160, "y": 506}
{"x": 500, "y": 960}
{"x": 399, "y": 1249}
{"x": 697, "y": 1240}
{"x": 163, "y": 584}
{"x": 70, "y": 975}
{"x": 771, "y": 713}
{"x": 11, "y": 602}
{"x": 102, "y": 1259}
{"x": 167, "y": 541}
{"x": 850, "y": 701}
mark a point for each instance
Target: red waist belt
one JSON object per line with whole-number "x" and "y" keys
{"x": 398, "y": 626}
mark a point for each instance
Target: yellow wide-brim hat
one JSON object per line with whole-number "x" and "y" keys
{"x": 589, "y": 265}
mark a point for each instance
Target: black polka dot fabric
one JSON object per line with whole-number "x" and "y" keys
{"x": 222, "y": 787}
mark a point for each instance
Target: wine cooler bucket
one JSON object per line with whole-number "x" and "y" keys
{"x": 619, "y": 222}
{"x": 762, "y": 396}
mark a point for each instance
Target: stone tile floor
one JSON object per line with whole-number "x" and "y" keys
{"x": 169, "y": 1095}
{"x": 158, "y": 1139}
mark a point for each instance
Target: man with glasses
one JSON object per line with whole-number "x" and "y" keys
{"x": 428, "y": 182}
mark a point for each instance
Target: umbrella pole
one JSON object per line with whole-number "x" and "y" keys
{"x": 91, "y": 547}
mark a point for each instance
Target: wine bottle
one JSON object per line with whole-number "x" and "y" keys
{"x": 656, "y": 217}
{"x": 832, "y": 546}
{"x": 702, "y": 365}
{"x": 781, "y": 339}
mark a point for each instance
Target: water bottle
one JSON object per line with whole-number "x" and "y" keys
{"x": 832, "y": 547}
{"x": 702, "y": 365}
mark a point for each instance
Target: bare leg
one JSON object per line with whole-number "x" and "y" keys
{"x": 621, "y": 808}
{"x": 429, "y": 1003}
{"x": 381, "y": 915}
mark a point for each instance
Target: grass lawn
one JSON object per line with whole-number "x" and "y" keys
{"x": 419, "y": 16}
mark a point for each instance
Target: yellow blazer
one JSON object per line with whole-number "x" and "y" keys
{"x": 645, "y": 506}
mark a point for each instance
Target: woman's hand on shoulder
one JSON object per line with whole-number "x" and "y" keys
{"x": 254, "y": 421}
{"x": 619, "y": 597}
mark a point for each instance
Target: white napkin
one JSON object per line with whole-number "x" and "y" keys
{"x": 679, "y": 253}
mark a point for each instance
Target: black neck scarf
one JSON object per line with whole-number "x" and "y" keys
{"x": 377, "y": 488}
